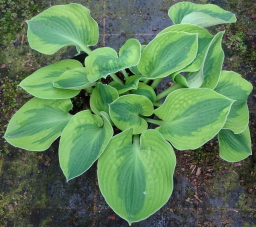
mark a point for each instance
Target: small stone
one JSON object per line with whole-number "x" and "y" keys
{"x": 237, "y": 164}
{"x": 154, "y": 29}
{"x": 145, "y": 18}
{"x": 148, "y": 13}
{"x": 112, "y": 217}
{"x": 3, "y": 66}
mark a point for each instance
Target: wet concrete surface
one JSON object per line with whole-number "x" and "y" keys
{"x": 207, "y": 190}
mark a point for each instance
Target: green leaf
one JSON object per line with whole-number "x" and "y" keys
{"x": 136, "y": 179}
{"x": 203, "y": 15}
{"x": 192, "y": 116}
{"x": 234, "y": 147}
{"x": 39, "y": 84}
{"x": 101, "y": 97}
{"x": 130, "y": 83}
{"x": 204, "y": 39}
{"x": 82, "y": 142}
{"x": 62, "y": 25}
{"x": 38, "y": 123}
{"x": 145, "y": 90}
{"x": 168, "y": 53}
{"x": 208, "y": 75}
{"x": 233, "y": 86}
{"x": 103, "y": 61}
{"x": 74, "y": 79}
{"x": 126, "y": 112}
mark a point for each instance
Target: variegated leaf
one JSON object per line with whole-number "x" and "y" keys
{"x": 82, "y": 142}
{"x": 38, "y": 123}
{"x": 192, "y": 116}
{"x": 136, "y": 179}
{"x": 62, "y": 25}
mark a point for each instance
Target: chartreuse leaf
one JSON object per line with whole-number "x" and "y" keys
{"x": 60, "y": 26}
{"x": 130, "y": 83}
{"x": 192, "y": 116}
{"x": 136, "y": 179}
{"x": 74, "y": 79}
{"x": 233, "y": 86}
{"x": 168, "y": 53}
{"x": 101, "y": 97}
{"x": 82, "y": 142}
{"x": 103, "y": 61}
{"x": 39, "y": 84}
{"x": 126, "y": 112}
{"x": 204, "y": 39}
{"x": 145, "y": 90}
{"x": 234, "y": 147}
{"x": 208, "y": 75}
{"x": 203, "y": 15}
{"x": 38, "y": 123}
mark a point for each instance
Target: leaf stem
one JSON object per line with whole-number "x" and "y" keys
{"x": 86, "y": 49}
{"x": 156, "y": 122}
{"x": 168, "y": 91}
{"x": 125, "y": 73}
{"x": 157, "y": 104}
{"x": 145, "y": 81}
{"x": 115, "y": 78}
{"x": 136, "y": 140}
{"x": 156, "y": 82}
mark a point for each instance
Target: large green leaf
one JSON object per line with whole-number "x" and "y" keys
{"x": 136, "y": 179}
{"x": 208, "y": 75}
{"x": 204, "y": 39}
{"x": 233, "y": 86}
{"x": 38, "y": 123}
{"x": 130, "y": 83}
{"x": 234, "y": 147}
{"x": 74, "y": 79}
{"x": 192, "y": 116}
{"x": 60, "y": 26}
{"x": 39, "y": 84}
{"x": 101, "y": 97}
{"x": 203, "y": 15}
{"x": 82, "y": 142}
{"x": 126, "y": 112}
{"x": 168, "y": 53}
{"x": 145, "y": 90}
{"x": 103, "y": 61}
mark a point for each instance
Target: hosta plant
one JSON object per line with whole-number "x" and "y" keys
{"x": 135, "y": 164}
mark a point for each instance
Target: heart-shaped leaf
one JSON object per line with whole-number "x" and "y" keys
{"x": 38, "y": 123}
{"x": 168, "y": 53}
{"x": 126, "y": 112}
{"x": 82, "y": 142}
{"x": 145, "y": 90}
{"x": 39, "y": 84}
{"x": 101, "y": 97}
{"x": 191, "y": 117}
{"x": 208, "y": 75}
{"x": 60, "y": 26}
{"x": 130, "y": 177}
{"x": 233, "y": 86}
{"x": 130, "y": 83}
{"x": 234, "y": 147}
{"x": 204, "y": 39}
{"x": 203, "y": 15}
{"x": 103, "y": 61}
{"x": 73, "y": 79}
